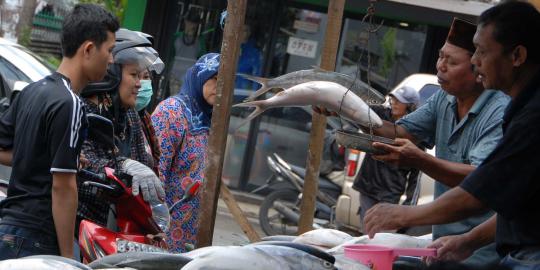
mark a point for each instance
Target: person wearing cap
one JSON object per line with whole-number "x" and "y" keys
{"x": 381, "y": 182}
{"x": 182, "y": 125}
{"x": 463, "y": 121}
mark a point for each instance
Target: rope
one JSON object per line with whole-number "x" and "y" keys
{"x": 370, "y": 29}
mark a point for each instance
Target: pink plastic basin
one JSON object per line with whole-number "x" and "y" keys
{"x": 382, "y": 257}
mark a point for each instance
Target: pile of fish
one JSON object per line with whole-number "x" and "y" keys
{"x": 320, "y": 249}
{"x": 335, "y": 91}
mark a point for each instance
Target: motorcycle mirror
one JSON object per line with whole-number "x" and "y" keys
{"x": 101, "y": 130}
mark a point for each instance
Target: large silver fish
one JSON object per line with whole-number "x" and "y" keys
{"x": 289, "y": 80}
{"x": 35, "y": 263}
{"x": 142, "y": 261}
{"x": 330, "y": 95}
{"x": 262, "y": 257}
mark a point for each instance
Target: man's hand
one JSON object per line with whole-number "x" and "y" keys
{"x": 452, "y": 248}
{"x": 403, "y": 153}
{"x": 323, "y": 111}
{"x": 384, "y": 216}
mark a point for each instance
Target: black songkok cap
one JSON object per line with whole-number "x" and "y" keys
{"x": 461, "y": 34}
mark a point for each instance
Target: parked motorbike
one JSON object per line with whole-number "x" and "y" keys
{"x": 140, "y": 224}
{"x": 279, "y": 212}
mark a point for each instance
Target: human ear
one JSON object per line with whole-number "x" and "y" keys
{"x": 88, "y": 47}
{"x": 519, "y": 55}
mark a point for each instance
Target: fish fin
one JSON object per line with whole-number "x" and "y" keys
{"x": 262, "y": 81}
{"x": 259, "y": 108}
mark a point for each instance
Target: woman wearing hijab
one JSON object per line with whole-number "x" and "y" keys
{"x": 115, "y": 99}
{"x": 182, "y": 124}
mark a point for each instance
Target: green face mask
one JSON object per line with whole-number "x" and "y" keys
{"x": 144, "y": 95}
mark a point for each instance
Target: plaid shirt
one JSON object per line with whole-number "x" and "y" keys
{"x": 92, "y": 205}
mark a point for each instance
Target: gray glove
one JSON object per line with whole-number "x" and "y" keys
{"x": 144, "y": 179}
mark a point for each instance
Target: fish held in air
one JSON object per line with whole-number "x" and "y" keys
{"x": 291, "y": 79}
{"x": 330, "y": 95}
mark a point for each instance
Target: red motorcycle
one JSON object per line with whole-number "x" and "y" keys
{"x": 141, "y": 225}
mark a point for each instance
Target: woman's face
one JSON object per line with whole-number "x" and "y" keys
{"x": 209, "y": 90}
{"x": 129, "y": 87}
{"x": 399, "y": 109}
{"x": 144, "y": 75}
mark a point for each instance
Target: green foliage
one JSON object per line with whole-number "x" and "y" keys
{"x": 388, "y": 44}
{"x": 52, "y": 60}
{"x": 116, "y": 7}
{"x": 24, "y": 36}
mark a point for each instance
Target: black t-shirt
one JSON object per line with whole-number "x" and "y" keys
{"x": 508, "y": 181}
{"x": 45, "y": 127}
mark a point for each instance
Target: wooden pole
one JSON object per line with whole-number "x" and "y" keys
{"x": 239, "y": 215}
{"x": 230, "y": 48}
{"x": 318, "y": 128}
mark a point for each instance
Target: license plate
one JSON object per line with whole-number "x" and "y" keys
{"x": 123, "y": 246}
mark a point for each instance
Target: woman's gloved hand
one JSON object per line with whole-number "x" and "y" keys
{"x": 144, "y": 179}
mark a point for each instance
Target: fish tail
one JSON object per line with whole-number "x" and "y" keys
{"x": 259, "y": 108}
{"x": 262, "y": 81}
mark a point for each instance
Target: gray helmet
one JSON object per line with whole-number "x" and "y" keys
{"x": 136, "y": 47}
{"x": 131, "y": 47}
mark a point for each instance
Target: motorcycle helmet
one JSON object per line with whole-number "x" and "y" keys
{"x": 131, "y": 47}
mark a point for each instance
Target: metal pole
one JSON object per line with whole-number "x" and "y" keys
{"x": 230, "y": 48}
{"x": 328, "y": 62}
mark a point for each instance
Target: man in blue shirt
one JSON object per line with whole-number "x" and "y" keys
{"x": 463, "y": 121}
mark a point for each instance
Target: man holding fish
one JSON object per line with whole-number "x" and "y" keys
{"x": 464, "y": 123}
{"x": 506, "y": 57}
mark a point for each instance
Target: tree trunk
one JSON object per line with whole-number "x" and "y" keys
{"x": 25, "y": 20}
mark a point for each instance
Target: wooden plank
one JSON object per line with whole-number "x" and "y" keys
{"x": 230, "y": 48}
{"x": 318, "y": 128}
{"x": 238, "y": 215}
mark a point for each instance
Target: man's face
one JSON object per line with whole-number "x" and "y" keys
{"x": 99, "y": 58}
{"x": 493, "y": 65}
{"x": 454, "y": 71}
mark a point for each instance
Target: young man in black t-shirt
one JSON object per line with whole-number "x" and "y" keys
{"x": 44, "y": 129}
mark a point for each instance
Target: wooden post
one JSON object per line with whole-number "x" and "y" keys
{"x": 239, "y": 215}
{"x": 230, "y": 48}
{"x": 318, "y": 128}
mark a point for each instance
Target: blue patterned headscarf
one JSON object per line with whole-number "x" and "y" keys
{"x": 191, "y": 92}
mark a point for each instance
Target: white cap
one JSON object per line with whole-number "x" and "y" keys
{"x": 406, "y": 94}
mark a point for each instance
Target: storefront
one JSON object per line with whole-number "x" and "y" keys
{"x": 283, "y": 36}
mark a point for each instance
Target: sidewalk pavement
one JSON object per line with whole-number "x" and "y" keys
{"x": 249, "y": 203}
{"x": 226, "y": 230}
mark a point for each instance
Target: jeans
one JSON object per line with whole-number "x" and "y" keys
{"x": 17, "y": 242}
{"x": 528, "y": 259}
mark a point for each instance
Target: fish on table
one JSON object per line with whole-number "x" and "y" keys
{"x": 330, "y": 95}
{"x": 291, "y": 79}
{"x": 262, "y": 257}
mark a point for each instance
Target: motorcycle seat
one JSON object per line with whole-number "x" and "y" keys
{"x": 324, "y": 182}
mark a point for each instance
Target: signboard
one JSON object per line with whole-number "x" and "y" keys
{"x": 306, "y": 26}
{"x": 302, "y": 47}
